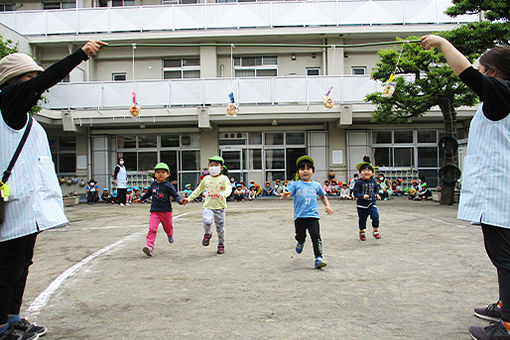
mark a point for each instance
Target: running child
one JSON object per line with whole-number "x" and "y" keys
{"x": 306, "y": 208}
{"x": 366, "y": 192}
{"x": 161, "y": 208}
{"x": 217, "y": 188}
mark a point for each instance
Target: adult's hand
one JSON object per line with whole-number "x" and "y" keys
{"x": 93, "y": 46}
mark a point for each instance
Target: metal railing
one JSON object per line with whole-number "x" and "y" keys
{"x": 195, "y": 92}
{"x": 231, "y": 15}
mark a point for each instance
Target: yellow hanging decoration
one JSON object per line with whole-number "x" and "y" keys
{"x": 389, "y": 88}
{"x": 134, "y": 110}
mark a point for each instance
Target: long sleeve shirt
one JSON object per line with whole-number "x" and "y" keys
{"x": 17, "y": 99}
{"x": 217, "y": 189}
{"x": 364, "y": 187}
{"x": 160, "y": 194}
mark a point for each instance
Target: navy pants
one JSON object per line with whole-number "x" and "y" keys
{"x": 363, "y": 214}
{"x": 497, "y": 245}
{"x": 15, "y": 258}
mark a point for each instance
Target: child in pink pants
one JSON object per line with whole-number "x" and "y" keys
{"x": 161, "y": 208}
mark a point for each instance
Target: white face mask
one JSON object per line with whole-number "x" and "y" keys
{"x": 214, "y": 170}
{"x": 121, "y": 162}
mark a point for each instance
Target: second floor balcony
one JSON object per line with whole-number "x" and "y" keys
{"x": 292, "y": 90}
{"x": 231, "y": 15}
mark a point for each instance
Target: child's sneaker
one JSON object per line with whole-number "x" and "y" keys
{"x": 362, "y": 236}
{"x": 27, "y": 327}
{"x": 205, "y": 241}
{"x": 149, "y": 251}
{"x": 299, "y": 247}
{"x": 492, "y": 312}
{"x": 495, "y": 331}
{"x": 171, "y": 239}
{"x": 319, "y": 263}
{"x": 377, "y": 235}
{"x": 221, "y": 248}
{"x": 15, "y": 334}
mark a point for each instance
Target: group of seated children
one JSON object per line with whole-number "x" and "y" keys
{"x": 342, "y": 190}
{"x": 132, "y": 194}
{"x": 241, "y": 192}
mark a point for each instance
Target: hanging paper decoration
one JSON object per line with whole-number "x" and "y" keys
{"x": 232, "y": 107}
{"x": 328, "y": 101}
{"x": 134, "y": 110}
{"x": 389, "y": 87}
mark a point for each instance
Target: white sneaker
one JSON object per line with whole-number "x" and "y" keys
{"x": 122, "y": 204}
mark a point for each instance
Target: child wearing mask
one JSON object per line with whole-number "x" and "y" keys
{"x": 217, "y": 188}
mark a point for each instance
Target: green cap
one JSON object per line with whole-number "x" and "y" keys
{"x": 216, "y": 159}
{"x": 162, "y": 166}
{"x": 359, "y": 165}
{"x": 303, "y": 158}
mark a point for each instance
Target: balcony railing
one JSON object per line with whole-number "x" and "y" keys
{"x": 195, "y": 92}
{"x": 231, "y": 15}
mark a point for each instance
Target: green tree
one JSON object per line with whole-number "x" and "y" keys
{"x": 8, "y": 47}
{"x": 425, "y": 81}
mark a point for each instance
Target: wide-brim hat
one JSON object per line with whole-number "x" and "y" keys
{"x": 359, "y": 165}
{"x": 17, "y": 64}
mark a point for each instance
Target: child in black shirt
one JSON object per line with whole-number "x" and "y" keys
{"x": 366, "y": 191}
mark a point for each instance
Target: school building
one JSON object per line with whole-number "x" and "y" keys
{"x": 183, "y": 57}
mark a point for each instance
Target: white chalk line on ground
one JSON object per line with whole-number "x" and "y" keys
{"x": 41, "y": 300}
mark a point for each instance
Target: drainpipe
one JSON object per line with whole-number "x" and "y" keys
{"x": 324, "y": 58}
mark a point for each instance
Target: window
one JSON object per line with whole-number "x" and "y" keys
{"x": 7, "y": 7}
{"x": 403, "y": 157}
{"x": 119, "y": 76}
{"x": 295, "y": 138}
{"x": 382, "y": 137}
{"x": 264, "y": 66}
{"x": 427, "y": 136}
{"x": 59, "y": 4}
{"x": 274, "y": 138}
{"x": 358, "y": 70}
{"x": 181, "y": 68}
{"x": 122, "y": 3}
{"x": 403, "y": 136}
{"x": 63, "y": 150}
{"x": 313, "y": 71}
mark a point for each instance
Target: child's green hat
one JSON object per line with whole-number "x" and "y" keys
{"x": 162, "y": 166}
{"x": 303, "y": 158}
{"x": 359, "y": 165}
{"x": 216, "y": 159}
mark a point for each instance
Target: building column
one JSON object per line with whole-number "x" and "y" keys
{"x": 208, "y": 61}
{"x": 208, "y": 145}
{"x": 335, "y": 57}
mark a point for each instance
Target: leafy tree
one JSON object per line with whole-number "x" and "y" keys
{"x": 425, "y": 81}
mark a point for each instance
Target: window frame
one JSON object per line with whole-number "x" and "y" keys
{"x": 238, "y": 66}
{"x": 182, "y": 68}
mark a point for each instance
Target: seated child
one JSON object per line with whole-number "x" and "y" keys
{"x": 105, "y": 196}
{"x": 92, "y": 192}
{"x": 148, "y": 199}
{"x": 136, "y": 193}
{"x": 278, "y": 188}
{"x": 327, "y": 188}
{"x": 129, "y": 196}
{"x": 423, "y": 191}
{"x": 114, "y": 197}
{"x": 398, "y": 191}
{"x": 413, "y": 190}
{"x": 187, "y": 190}
{"x": 252, "y": 192}
{"x": 335, "y": 187}
{"x": 268, "y": 190}
{"x": 345, "y": 193}
{"x": 239, "y": 194}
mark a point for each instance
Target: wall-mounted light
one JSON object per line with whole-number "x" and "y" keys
{"x": 314, "y": 55}
{"x": 293, "y": 57}
{"x": 274, "y": 122}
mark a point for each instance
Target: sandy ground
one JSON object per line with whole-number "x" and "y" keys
{"x": 420, "y": 281}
